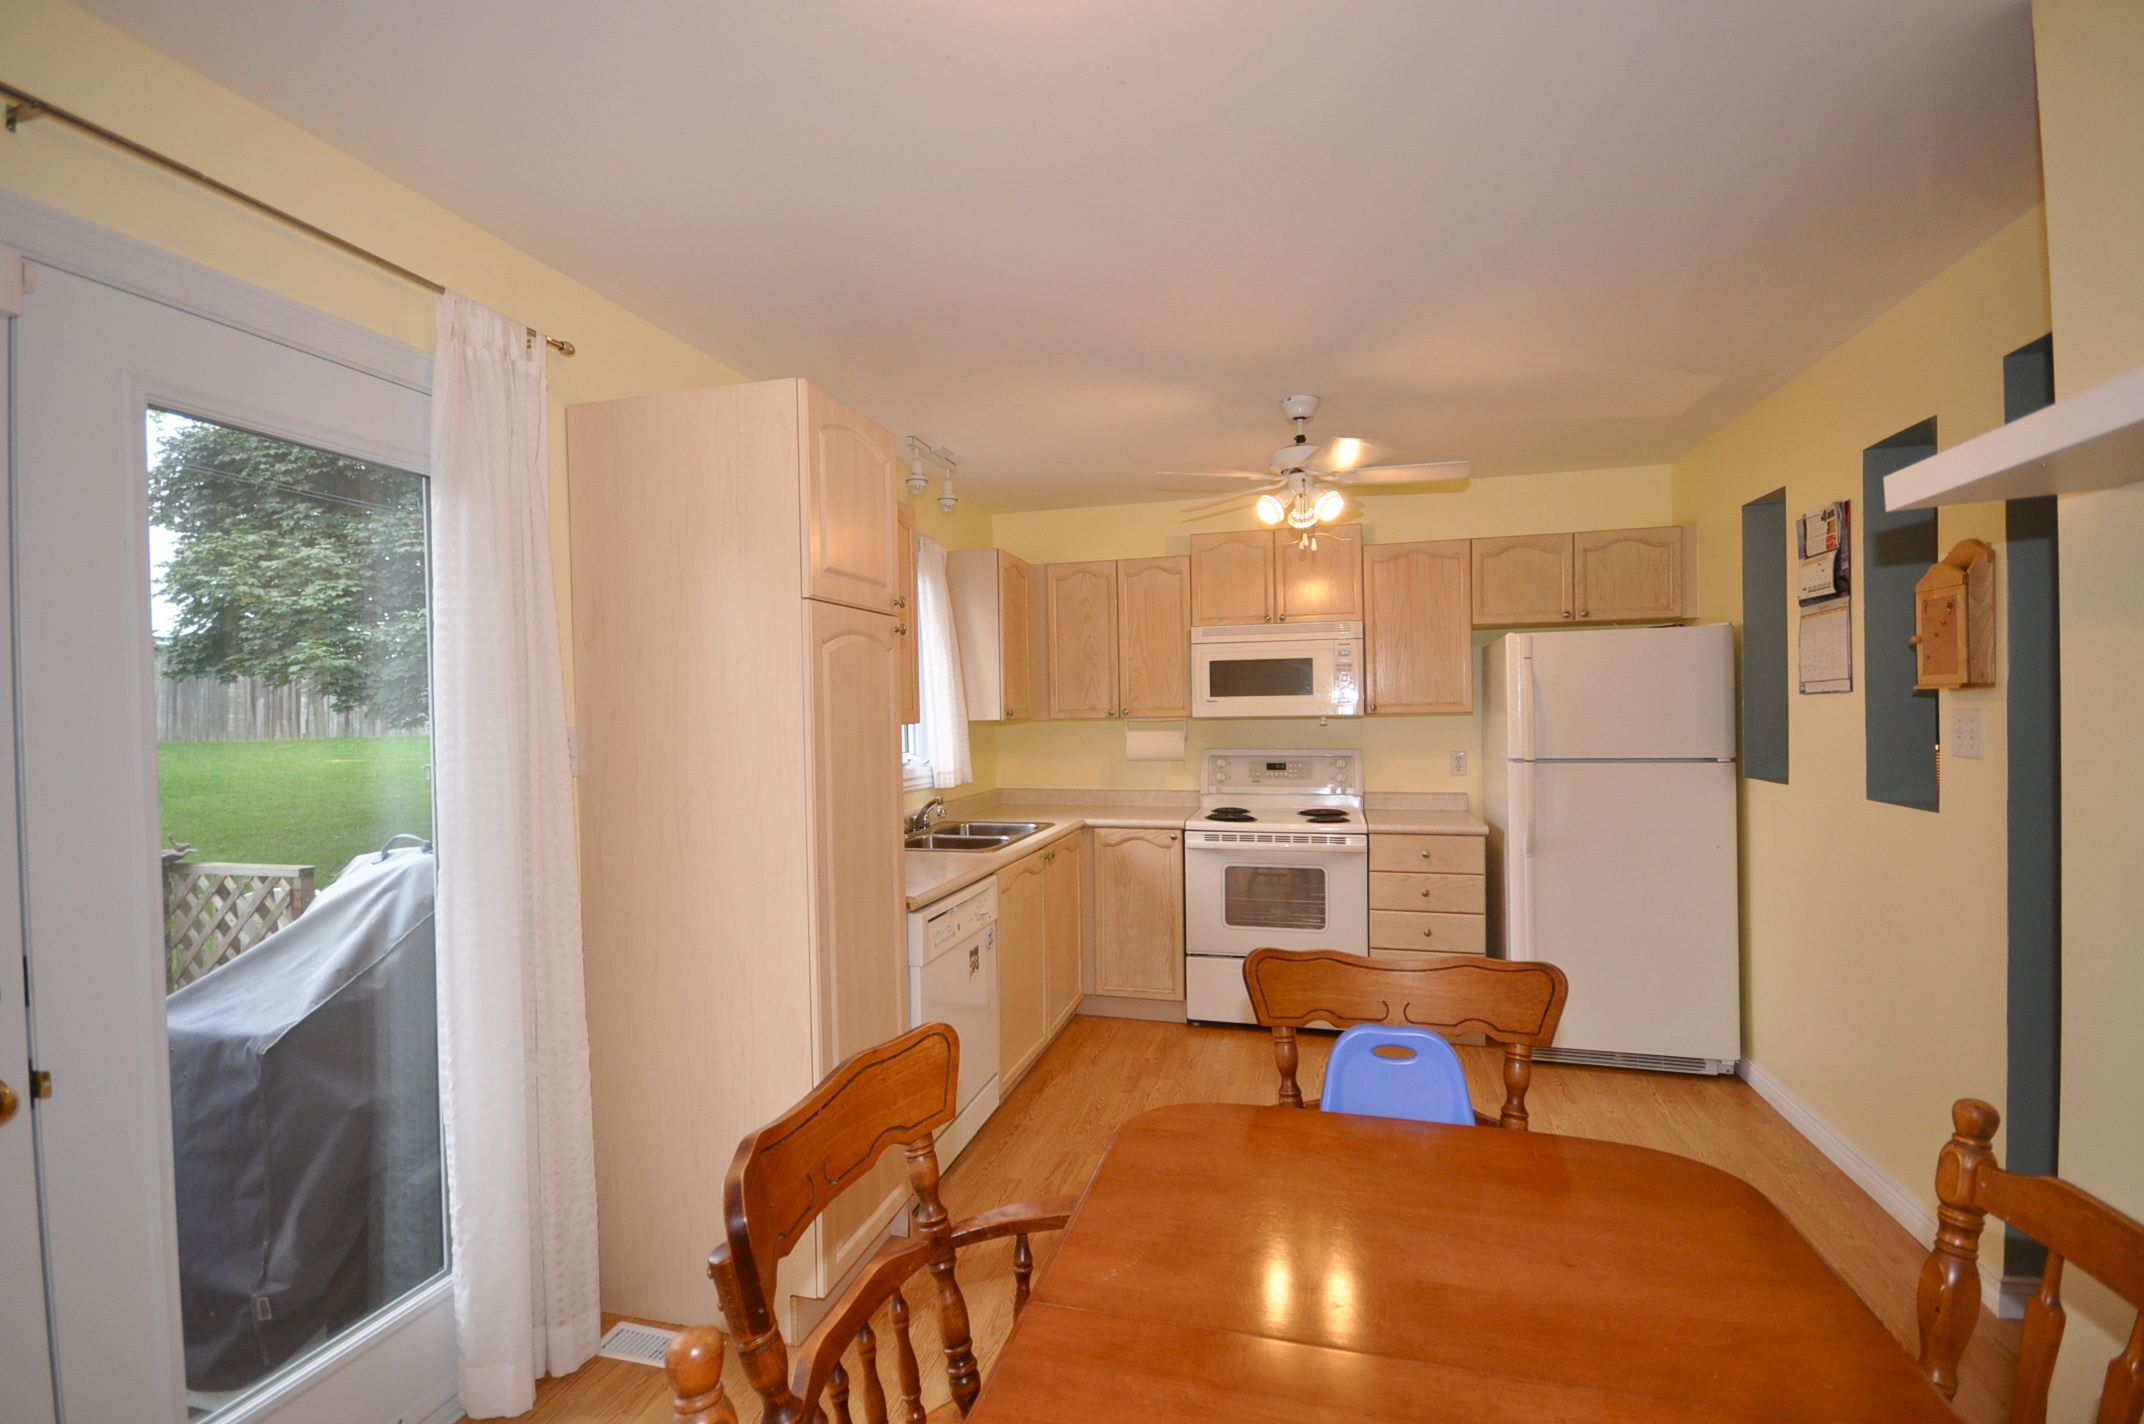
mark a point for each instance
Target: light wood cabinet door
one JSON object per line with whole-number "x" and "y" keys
{"x": 853, "y": 771}
{"x": 1023, "y": 936}
{"x": 849, "y": 491}
{"x": 1154, "y": 637}
{"x": 1522, "y": 579}
{"x": 1081, "y": 638}
{"x": 1312, "y": 585}
{"x": 1232, "y": 578}
{"x": 1065, "y": 941}
{"x": 904, "y": 612}
{"x": 1419, "y": 627}
{"x": 1627, "y": 575}
{"x": 1014, "y": 591}
{"x": 1139, "y": 913}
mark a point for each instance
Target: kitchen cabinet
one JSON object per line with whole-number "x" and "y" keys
{"x": 1139, "y": 913}
{"x": 1064, "y": 940}
{"x": 1522, "y": 579}
{"x": 904, "y": 612}
{"x": 1154, "y": 637}
{"x": 1446, "y": 855}
{"x": 1428, "y": 894}
{"x": 1232, "y": 578}
{"x": 1627, "y": 575}
{"x": 991, "y": 614}
{"x": 1418, "y": 627}
{"x": 755, "y": 950}
{"x": 1080, "y": 640}
{"x": 847, "y": 494}
{"x": 1023, "y": 939}
{"x": 1321, "y": 583}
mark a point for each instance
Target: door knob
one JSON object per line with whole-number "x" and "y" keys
{"x": 8, "y": 1102}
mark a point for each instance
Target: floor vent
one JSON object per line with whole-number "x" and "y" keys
{"x": 1656, "y": 1062}
{"x": 641, "y": 1344}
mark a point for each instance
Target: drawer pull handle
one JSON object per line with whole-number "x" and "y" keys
{"x": 1425, "y": 855}
{"x": 1425, "y": 893}
{"x": 1427, "y": 933}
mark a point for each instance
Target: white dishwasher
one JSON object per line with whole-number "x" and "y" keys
{"x": 953, "y": 979}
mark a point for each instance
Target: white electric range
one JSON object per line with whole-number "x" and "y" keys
{"x": 1277, "y": 857}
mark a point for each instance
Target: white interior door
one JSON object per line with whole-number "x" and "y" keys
{"x": 93, "y": 368}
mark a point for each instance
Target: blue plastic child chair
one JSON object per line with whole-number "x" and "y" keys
{"x": 1417, "y": 1076}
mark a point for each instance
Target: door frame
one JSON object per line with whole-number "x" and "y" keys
{"x": 400, "y": 1336}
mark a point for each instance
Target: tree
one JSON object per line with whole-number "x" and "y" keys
{"x": 293, "y": 565}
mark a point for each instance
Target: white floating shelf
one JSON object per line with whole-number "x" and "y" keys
{"x": 2090, "y": 441}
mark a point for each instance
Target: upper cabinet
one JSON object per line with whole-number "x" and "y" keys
{"x": 1154, "y": 637}
{"x": 1081, "y": 638}
{"x": 1521, "y": 579}
{"x": 991, "y": 611}
{"x": 904, "y": 611}
{"x": 1324, "y": 582}
{"x": 1232, "y": 578}
{"x": 1418, "y": 627}
{"x": 849, "y": 491}
{"x": 1627, "y": 575}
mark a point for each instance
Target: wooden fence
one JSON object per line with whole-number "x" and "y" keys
{"x": 202, "y": 709}
{"x": 216, "y": 911}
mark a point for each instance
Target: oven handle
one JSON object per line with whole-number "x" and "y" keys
{"x": 1282, "y": 852}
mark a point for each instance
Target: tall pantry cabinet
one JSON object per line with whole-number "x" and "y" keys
{"x": 737, "y": 687}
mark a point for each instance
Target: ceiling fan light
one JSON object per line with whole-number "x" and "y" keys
{"x": 1330, "y": 506}
{"x": 1270, "y": 510}
{"x": 1302, "y": 515}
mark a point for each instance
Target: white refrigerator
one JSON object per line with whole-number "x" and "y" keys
{"x": 1608, "y": 758}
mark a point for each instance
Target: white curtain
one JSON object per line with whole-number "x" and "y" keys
{"x": 513, "y": 1033}
{"x": 945, "y": 705}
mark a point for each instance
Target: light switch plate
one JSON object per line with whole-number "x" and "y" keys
{"x": 1966, "y": 732}
{"x": 1459, "y": 763}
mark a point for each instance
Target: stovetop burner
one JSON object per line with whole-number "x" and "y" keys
{"x": 1229, "y": 813}
{"x": 1325, "y": 815}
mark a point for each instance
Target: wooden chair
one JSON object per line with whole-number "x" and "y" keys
{"x": 1514, "y": 1003}
{"x": 782, "y": 1178}
{"x": 2072, "y": 1224}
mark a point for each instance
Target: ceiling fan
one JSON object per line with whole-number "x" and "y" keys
{"x": 1306, "y": 484}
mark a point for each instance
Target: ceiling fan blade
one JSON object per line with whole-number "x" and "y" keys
{"x": 1340, "y": 455}
{"x": 1426, "y": 472}
{"x": 1232, "y": 475}
{"x": 1239, "y": 500}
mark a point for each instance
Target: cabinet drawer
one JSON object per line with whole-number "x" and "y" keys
{"x": 1450, "y": 855}
{"x": 1452, "y": 934}
{"x": 1451, "y": 894}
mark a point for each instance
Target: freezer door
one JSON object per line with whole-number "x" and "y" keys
{"x": 1634, "y": 897}
{"x": 1624, "y": 694}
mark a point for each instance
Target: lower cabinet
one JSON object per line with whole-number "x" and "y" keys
{"x": 1023, "y": 935}
{"x": 1064, "y": 940}
{"x": 1139, "y": 913}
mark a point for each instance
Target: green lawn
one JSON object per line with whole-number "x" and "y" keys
{"x": 295, "y": 803}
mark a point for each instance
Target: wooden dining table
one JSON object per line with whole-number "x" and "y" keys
{"x": 1243, "y": 1263}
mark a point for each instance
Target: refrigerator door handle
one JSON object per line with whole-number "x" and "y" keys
{"x": 1519, "y": 889}
{"x": 1522, "y": 699}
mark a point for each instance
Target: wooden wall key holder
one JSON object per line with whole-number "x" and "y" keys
{"x": 1954, "y": 620}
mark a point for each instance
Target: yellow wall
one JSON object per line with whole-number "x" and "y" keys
{"x": 82, "y": 64}
{"x": 1875, "y": 946}
{"x": 2091, "y": 79}
{"x": 1399, "y": 753}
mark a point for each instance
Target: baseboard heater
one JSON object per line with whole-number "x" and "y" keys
{"x": 1652, "y": 1062}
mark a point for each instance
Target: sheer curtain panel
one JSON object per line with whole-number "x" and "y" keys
{"x": 944, "y": 704}
{"x": 513, "y": 1040}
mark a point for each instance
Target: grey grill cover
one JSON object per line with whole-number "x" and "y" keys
{"x": 305, "y": 1109}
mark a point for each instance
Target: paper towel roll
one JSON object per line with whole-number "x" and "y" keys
{"x": 1154, "y": 741}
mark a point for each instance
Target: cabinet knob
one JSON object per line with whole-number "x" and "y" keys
{"x": 900, "y": 601}
{"x": 1427, "y": 933}
{"x": 1172, "y": 838}
{"x": 1373, "y": 706}
{"x": 900, "y": 630}
{"x": 1584, "y": 614}
{"x": 8, "y": 1102}
{"x": 1425, "y": 893}
{"x": 1425, "y": 856}
{"x": 1566, "y": 612}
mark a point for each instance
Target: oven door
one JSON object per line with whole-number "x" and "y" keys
{"x": 1310, "y": 677}
{"x": 1306, "y": 893}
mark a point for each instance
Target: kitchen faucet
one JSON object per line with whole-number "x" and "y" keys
{"x": 921, "y": 820}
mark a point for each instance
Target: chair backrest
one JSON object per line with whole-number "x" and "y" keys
{"x": 1516, "y": 1003}
{"x": 791, "y": 1170}
{"x": 1378, "y": 1071}
{"x": 2072, "y": 1224}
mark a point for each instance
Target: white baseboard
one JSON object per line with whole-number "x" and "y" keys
{"x": 1899, "y": 1204}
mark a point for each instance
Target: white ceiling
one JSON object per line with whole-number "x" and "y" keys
{"x": 1082, "y": 240}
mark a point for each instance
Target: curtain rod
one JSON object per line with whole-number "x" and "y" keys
{"x": 29, "y": 106}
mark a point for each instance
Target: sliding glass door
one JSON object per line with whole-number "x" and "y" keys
{"x": 223, "y": 693}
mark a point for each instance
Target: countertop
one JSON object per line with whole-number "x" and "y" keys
{"x": 932, "y": 875}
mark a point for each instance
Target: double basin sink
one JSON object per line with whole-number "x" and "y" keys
{"x": 974, "y": 835}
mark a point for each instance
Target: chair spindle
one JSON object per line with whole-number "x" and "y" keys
{"x": 904, "y": 1359}
{"x": 694, "y": 1364}
{"x": 867, "y": 1366}
{"x": 1023, "y": 1267}
{"x": 837, "y": 1394}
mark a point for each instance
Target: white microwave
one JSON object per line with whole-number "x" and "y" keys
{"x": 1277, "y": 670}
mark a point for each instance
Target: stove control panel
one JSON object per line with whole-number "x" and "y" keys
{"x": 1330, "y": 773}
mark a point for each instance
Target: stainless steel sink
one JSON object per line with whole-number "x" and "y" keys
{"x": 940, "y": 840}
{"x": 974, "y": 835}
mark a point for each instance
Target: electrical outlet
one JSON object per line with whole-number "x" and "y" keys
{"x": 1459, "y": 763}
{"x": 1966, "y": 732}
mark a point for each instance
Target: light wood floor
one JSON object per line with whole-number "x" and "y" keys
{"x": 1050, "y": 1134}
